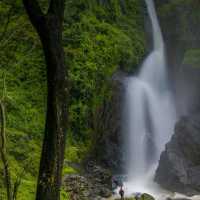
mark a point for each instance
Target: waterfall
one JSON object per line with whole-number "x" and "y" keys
{"x": 149, "y": 113}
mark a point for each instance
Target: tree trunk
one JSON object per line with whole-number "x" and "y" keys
{"x": 49, "y": 28}
{"x": 3, "y": 151}
{"x": 56, "y": 117}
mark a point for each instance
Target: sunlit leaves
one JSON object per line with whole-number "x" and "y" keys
{"x": 99, "y": 39}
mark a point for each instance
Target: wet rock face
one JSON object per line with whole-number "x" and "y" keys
{"x": 179, "y": 23}
{"x": 108, "y": 150}
{"x": 179, "y": 166}
{"x": 143, "y": 197}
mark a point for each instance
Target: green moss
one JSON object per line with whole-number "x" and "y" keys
{"x": 69, "y": 170}
{"x": 192, "y": 57}
{"x": 64, "y": 195}
{"x": 147, "y": 197}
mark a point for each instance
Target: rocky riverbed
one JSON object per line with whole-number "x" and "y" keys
{"x": 94, "y": 184}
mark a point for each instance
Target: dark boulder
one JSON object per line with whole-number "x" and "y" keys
{"x": 179, "y": 166}
{"x": 178, "y": 199}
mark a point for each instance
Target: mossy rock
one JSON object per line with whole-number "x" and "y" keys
{"x": 131, "y": 198}
{"x": 143, "y": 197}
{"x": 147, "y": 197}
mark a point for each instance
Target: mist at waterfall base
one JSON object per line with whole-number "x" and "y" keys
{"x": 149, "y": 115}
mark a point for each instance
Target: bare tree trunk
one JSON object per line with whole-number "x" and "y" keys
{"x": 3, "y": 150}
{"x": 49, "y": 27}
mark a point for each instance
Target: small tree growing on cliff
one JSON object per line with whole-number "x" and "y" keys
{"x": 49, "y": 27}
{"x": 3, "y": 143}
{"x": 10, "y": 185}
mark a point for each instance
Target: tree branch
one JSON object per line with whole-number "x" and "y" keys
{"x": 34, "y": 12}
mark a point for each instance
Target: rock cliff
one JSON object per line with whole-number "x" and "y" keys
{"x": 109, "y": 140}
{"x": 179, "y": 168}
{"x": 179, "y": 164}
{"x": 180, "y": 26}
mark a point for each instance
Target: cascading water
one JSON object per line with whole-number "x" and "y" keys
{"x": 149, "y": 112}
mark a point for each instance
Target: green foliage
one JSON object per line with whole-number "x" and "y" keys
{"x": 75, "y": 153}
{"x": 64, "y": 195}
{"x": 192, "y": 57}
{"x": 25, "y": 149}
{"x": 22, "y": 62}
{"x": 27, "y": 189}
{"x": 100, "y": 37}
{"x": 69, "y": 170}
{"x": 24, "y": 162}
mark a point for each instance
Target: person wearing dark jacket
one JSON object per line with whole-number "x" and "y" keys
{"x": 121, "y": 193}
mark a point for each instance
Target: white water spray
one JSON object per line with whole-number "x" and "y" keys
{"x": 149, "y": 113}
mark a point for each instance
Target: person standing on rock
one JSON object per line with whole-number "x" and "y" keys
{"x": 121, "y": 192}
{"x": 137, "y": 196}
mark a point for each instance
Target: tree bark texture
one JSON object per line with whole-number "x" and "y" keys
{"x": 49, "y": 28}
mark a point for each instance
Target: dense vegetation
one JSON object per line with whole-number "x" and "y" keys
{"x": 100, "y": 37}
